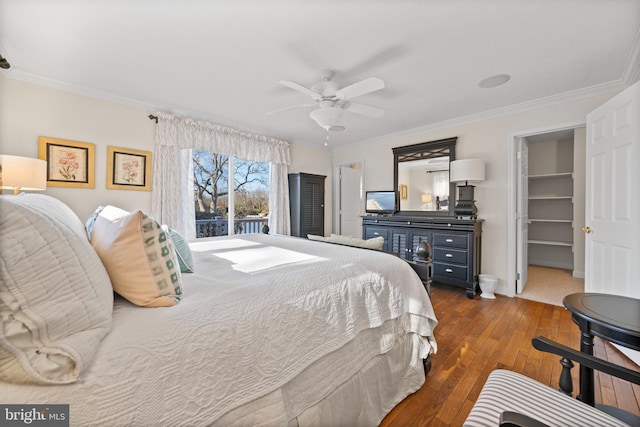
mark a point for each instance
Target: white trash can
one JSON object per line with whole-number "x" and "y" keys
{"x": 488, "y": 285}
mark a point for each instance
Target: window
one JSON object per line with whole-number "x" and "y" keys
{"x": 221, "y": 208}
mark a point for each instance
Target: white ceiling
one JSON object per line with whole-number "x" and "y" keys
{"x": 221, "y": 60}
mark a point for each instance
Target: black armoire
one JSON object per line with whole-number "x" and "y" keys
{"x": 306, "y": 201}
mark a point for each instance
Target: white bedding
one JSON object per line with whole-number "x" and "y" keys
{"x": 259, "y": 312}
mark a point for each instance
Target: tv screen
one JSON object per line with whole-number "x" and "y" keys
{"x": 381, "y": 202}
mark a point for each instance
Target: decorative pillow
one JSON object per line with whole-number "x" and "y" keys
{"x": 373, "y": 243}
{"x": 89, "y": 224}
{"x": 183, "y": 252}
{"x": 318, "y": 238}
{"x": 56, "y": 301}
{"x": 139, "y": 257}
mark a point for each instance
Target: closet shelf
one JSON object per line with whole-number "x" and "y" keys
{"x": 550, "y": 197}
{"x": 567, "y": 221}
{"x": 552, "y": 175}
{"x": 550, "y": 243}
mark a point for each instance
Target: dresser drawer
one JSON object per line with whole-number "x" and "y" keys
{"x": 454, "y": 256}
{"x": 450, "y": 240}
{"x": 371, "y": 232}
{"x": 449, "y": 271}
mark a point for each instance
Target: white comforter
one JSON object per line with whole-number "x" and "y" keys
{"x": 258, "y": 311}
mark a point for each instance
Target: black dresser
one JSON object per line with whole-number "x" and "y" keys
{"x": 456, "y": 245}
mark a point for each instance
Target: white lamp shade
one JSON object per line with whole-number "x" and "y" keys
{"x": 466, "y": 170}
{"x": 23, "y": 173}
{"x": 327, "y": 117}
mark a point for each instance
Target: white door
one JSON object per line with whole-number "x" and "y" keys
{"x": 522, "y": 215}
{"x": 350, "y": 202}
{"x": 612, "y": 198}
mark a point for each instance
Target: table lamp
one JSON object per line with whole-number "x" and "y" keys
{"x": 465, "y": 171}
{"x": 426, "y": 198}
{"x": 22, "y": 173}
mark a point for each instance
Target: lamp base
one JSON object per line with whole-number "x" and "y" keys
{"x": 465, "y": 206}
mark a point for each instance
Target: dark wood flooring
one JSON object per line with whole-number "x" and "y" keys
{"x": 477, "y": 336}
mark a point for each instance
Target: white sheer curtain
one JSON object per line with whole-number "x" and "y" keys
{"x": 440, "y": 184}
{"x": 172, "y": 183}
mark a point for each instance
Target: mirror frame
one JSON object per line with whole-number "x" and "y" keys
{"x": 425, "y": 150}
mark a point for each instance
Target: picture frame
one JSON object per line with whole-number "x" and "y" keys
{"x": 404, "y": 192}
{"x": 128, "y": 169}
{"x": 69, "y": 163}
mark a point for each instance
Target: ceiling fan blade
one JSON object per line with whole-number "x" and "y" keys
{"x": 280, "y": 110}
{"x": 360, "y": 88}
{"x": 365, "y": 110}
{"x": 295, "y": 86}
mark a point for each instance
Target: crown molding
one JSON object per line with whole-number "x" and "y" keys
{"x": 576, "y": 95}
{"x": 632, "y": 69}
{"x": 24, "y": 76}
{"x": 20, "y": 75}
{"x": 632, "y": 73}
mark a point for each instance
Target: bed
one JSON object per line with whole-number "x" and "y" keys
{"x": 268, "y": 330}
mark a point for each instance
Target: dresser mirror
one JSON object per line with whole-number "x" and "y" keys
{"x": 421, "y": 177}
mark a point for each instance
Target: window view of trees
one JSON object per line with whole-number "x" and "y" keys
{"x": 211, "y": 177}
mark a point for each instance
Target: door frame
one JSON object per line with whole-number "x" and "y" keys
{"x": 522, "y": 221}
{"x": 336, "y": 191}
{"x": 512, "y": 187}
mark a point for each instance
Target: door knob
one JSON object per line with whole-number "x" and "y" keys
{"x": 586, "y": 230}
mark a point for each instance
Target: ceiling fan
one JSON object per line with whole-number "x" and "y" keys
{"x": 333, "y": 102}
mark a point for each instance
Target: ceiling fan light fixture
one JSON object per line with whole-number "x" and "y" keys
{"x": 327, "y": 118}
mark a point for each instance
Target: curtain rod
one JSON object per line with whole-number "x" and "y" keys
{"x": 152, "y": 117}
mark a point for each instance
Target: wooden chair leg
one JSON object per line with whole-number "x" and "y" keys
{"x": 566, "y": 383}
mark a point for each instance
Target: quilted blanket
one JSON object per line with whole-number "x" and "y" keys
{"x": 256, "y": 313}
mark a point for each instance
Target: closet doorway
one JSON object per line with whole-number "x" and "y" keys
{"x": 349, "y": 199}
{"x": 551, "y": 188}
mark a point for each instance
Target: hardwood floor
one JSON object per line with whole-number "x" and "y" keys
{"x": 477, "y": 336}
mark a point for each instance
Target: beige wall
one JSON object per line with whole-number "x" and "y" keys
{"x": 488, "y": 140}
{"x": 316, "y": 160}
{"x": 28, "y": 111}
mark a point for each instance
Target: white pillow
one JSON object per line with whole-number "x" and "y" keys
{"x": 56, "y": 300}
{"x": 373, "y": 243}
{"x": 318, "y": 238}
{"x": 139, "y": 257}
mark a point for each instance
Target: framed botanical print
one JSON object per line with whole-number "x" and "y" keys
{"x": 69, "y": 163}
{"x": 128, "y": 169}
{"x": 404, "y": 192}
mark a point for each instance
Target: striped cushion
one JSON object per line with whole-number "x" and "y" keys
{"x": 139, "y": 257}
{"x": 510, "y": 391}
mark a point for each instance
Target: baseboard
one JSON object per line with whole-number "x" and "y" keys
{"x": 551, "y": 263}
{"x": 502, "y": 289}
{"x": 578, "y": 274}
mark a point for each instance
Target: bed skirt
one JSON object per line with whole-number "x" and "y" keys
{"x": 363, "y": 399}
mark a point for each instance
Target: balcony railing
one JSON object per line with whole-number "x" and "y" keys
{"x": 219, "y": 226}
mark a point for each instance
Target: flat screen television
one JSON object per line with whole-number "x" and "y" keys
{"x": 380, "y": 202}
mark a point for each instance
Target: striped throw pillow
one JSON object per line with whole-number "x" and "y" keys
{"x": 139, "y": 256}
